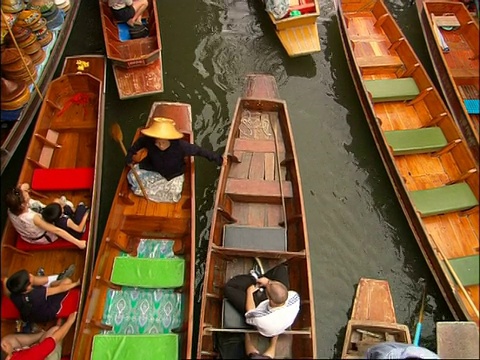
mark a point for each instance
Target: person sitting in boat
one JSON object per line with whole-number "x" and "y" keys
{"x": 162, "y": 169}
{"x": 41, "y": 299}
{"x": 35, "y": 205}
{"x": 63, "y": 215}
{"x": 277, "y": 306}
{"x": 45, "y": 345}
{"x": 30, "y": 225}
{"x": 128, "y": 11}
{"x": 395, "y": 350}
{"x": 253, "y": 353}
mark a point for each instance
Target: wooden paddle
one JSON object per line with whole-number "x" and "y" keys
{"x": 117, "y": 135}
{"x": 418, "y": 330}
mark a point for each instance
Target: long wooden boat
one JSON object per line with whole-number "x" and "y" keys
{"x": 373, "y": 320}
{"x": 452, "y": 38}
{"x": 297, "y": 30}
{"x": 259, "y": 212}
{"x": 12, "y": 134}
{"x": 151, "y": 313}
{"x": 66, "y": 145}
{"x": 137, "y": 63}
{"x": 430, "y": 165}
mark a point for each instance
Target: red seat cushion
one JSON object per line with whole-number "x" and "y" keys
{"x": 69, "y": 303}
{"x": 58, "y": 244}
{"x": 63, "y": 179}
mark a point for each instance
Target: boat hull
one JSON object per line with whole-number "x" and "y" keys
{"x": 137, "y": 63}
{"x": 437, "y": 235}
{"x": 373, "y": 320}
{"x": 133, "y": 221}
{"x": 67, "y": 135}
{"x": 458, "y": 69}
{"x": 259, "y": 190}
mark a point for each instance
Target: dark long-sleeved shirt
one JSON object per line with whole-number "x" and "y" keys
{"x": 171, "y": 161}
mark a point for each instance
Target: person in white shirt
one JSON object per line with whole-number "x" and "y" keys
{"x": 395, "y": 350}
{"x": 271, "y": 312}
{"x": 129, "y": 11}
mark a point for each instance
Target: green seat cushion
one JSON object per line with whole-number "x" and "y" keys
{"x": 416, "y": 141}
{"x": 444, "y": 199}
{"x": 467, "y": 269}
{"x": 121, "y": 347}
{"x": 392, "y": 89}
{"x": 148, "y": 273}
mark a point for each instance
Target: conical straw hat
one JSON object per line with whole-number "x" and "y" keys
{"x": 162, "y": 128}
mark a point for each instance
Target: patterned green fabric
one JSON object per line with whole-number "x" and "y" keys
{"x": 145, "y": 311}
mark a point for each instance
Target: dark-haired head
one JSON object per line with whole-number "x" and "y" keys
{"x": 18, "y": 282}
{"x": 52, "y": 212}
{"x": 15, "y": 201}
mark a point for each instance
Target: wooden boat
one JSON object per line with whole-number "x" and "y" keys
{"x": 160, "y": 304}
{"x": 373, "y": 320}
{"x": 66, "y": 145}
{"x": 137, "y": 63}
{"x": 259, "y": 212}
{"x": 13, "y": 131}
{"x": 430, "y": 165}
{"x": 297, "y": 30}
{"x": 452, "y": 36}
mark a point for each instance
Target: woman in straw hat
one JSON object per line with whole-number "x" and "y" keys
{"x": 161, "y": 171}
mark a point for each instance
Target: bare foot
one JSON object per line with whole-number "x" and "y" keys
{"x": 82, "y": 244}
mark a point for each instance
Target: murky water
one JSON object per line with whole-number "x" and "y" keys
{"x": 356, "y": 227}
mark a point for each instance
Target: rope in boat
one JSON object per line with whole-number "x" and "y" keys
{"x": 21, "y": 56}
{"x": 277, "y": 163}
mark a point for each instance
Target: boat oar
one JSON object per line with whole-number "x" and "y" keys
{"x": 418, "y": 330}
{"x": 117, "y": 135}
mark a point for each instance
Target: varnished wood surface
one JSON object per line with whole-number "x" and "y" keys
{"x": 15, "y": 134}
{"x": 132, "y": 218}
{"x": 455, "y": 234}
{"x": 299, "y": 34}
{"x": 373, "y": 311}
{"x": 458, "y": 68}
{"x": 78, "y": 149}
{"x": 260, "y": 135}
{"x": 137, "y": 63}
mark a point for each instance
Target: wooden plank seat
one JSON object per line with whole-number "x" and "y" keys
{"x": 257, "y": 238}
{"x": 63, "y": 179}
{"x": 148, "y": 273}
{"x": 446, "y": 20}
{"x": 145, "y": 346}
{"x": 258, "y": 190}
{"x": 59, "y": 244}
{"x": 392, "y": 89}
{"x": 387, "y": 61}
{"x": 473, "y": 106}
{"x": 416, "y": 141}
{"x": 445, "y": 199}
{"x": 467, "y": 269}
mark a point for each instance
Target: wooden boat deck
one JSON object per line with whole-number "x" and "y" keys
{"x": 458, "y": 68}
{"x": 133, "y": 218}
{"x": 256, "y": 192}
{"x": 299, "y": 34}
{"x": 378, "y": 50}
{"x": 373, "y": 320}
{"x": 137, "y": 63}
{"x": 77, "y": 128}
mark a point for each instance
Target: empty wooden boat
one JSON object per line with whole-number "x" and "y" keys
{"x": 64, "y": 158}
{"x": 430, "y": 165}
{"x": 373, "y": 320}
{"x": 297, "y": 30}
{"x": 141, "y": 298}
{"x": 259, "y": 212}
{"x": 452, "y": 37}
{"x": 16, "y": 123}
{"x": 137, "y": 63}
